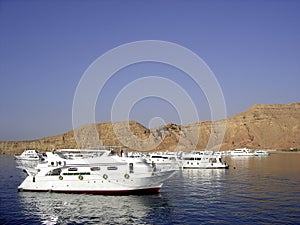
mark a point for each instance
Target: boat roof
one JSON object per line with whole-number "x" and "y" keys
{"x": 93, "y": 150}
{"x": 80, "y": 150}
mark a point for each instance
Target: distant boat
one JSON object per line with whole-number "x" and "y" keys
{"x": 164, "y": 160}
{"x": 240, "y": 152}
{"x": 220, "y": 153}
{"x": 31, "y": 155}
{"x": 203, "y": 160}
{"x": 261, "y": 153}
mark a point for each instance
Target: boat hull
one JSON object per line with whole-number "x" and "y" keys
{"x": 209, "y": 167}
{"x": 206, "y": 166}
{"x": 96, "y": 184}
{"x": 146, "y": 191}
{"x": 197, "y": 164}
{"x": 18, "y": 157}
{"x": 242, "y": 155}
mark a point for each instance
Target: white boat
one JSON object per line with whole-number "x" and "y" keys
{"x": 261, "y": 153}
{"x": 31, "y": 155}
{"x": 162, "y": 157}
{"x": 203, "y": 160}
{"x": 164, "y": 160}
{"x": 134, "y": 154}
{"x": 240, "y": 152}
{"x": 220, "y": 153}
{"x": 96, "y": 172}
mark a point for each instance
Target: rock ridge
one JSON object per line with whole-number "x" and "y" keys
{"x": 262, "y": 126}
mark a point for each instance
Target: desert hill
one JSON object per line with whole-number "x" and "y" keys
{"x": 273, "y": 126}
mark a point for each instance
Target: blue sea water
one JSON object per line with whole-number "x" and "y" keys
{"x": 255, "y": 190}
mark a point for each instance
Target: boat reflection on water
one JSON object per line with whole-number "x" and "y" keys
{"x": 210, "y": 180}
{"x": 59, "y": 208}
{"x": 206, "y": 174}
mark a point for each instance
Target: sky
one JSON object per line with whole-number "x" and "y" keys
{"x": 252, "y": 48}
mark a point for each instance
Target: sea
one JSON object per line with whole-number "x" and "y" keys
{"x": 254, "y": 190}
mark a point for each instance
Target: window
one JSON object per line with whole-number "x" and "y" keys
{"x": 82, "y": 173}
{"x": 130, "y": 167}
{"x": 112, "y": 168}
{"x": 95, "y": 168}
{"x": 54, "y": 172}
{"x": 189, "y": 158}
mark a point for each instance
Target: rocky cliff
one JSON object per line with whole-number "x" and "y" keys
{"x": 274, "y": 126}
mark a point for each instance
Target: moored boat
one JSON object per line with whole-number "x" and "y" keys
{"x": 30, "y": 155}
{"x": 164, "y": 160}
{"x": 240, "y": 152}
{"x": 94, "y": 172}
{"x": 261, "y": 153}
{"x": 203, "y": 160}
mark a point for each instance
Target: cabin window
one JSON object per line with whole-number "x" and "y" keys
{"x": 95, "y": 168}
{"x": 72, "y": 169}
{"x": 54, "y": 172}
{"x": 81, "y": 173}
{"x": 156, "y": 157}
{"x": 213, "y": 160}
{"x": 112, "y": 168}
{"x": 188, "y": 158}
{"x": 112, "y": 153}
{"x": 130, "y": 167}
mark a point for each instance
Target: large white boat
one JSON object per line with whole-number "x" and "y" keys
{"x": 31, "y": 155}
{"x": 94, "y": 172}
{"x": 203, "y": 160}
{"x": 240, "y": 152}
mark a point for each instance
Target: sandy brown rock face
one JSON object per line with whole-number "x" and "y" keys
{"x": 262, "y": 126}
{"x": 265, "y": 126}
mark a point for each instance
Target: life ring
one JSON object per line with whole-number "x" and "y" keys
{"x": 60, "y": 177}
{"x": 80, "y": 177}
{"x": 105, "y": 176}
{"x": 126, "y": 175}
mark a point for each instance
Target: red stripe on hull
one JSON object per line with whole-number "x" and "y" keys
{"x": 102, "y": 192}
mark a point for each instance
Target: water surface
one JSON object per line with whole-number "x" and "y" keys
{"x": 254, "y": 190}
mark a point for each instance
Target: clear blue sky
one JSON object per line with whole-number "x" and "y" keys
{"x": 253, "y": 48}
